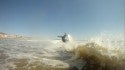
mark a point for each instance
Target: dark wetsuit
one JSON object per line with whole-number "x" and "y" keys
{"x": 64, "y": 38}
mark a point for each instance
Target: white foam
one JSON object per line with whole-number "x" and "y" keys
{"x": 55, "y": 63}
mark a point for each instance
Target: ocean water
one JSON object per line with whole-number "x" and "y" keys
{"x": 98, "y": 53}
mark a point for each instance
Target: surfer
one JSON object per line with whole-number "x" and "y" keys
{"x": 64, "y": 37}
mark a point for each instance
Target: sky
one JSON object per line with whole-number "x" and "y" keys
{"x": 49, "y": 18}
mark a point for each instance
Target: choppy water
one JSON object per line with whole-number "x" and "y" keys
{"x": 95, "y": 54}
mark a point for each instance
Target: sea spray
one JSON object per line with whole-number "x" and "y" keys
{"x": 101, "y": 53}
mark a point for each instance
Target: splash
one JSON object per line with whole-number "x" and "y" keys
{"x": 101, "y": 53}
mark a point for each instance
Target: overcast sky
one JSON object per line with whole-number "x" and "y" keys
{"x": 49, "y": 18}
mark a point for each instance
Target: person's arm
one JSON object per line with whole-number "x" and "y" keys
{"x": 60, "y": 36}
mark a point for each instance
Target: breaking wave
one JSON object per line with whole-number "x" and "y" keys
{"x": 99, "y": 53}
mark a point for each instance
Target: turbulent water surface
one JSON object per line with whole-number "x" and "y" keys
{"x": 95, "y": 54}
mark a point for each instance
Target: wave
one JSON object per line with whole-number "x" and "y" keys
{"x": 99, "y": 58}
{"x": 98, "y": 53}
